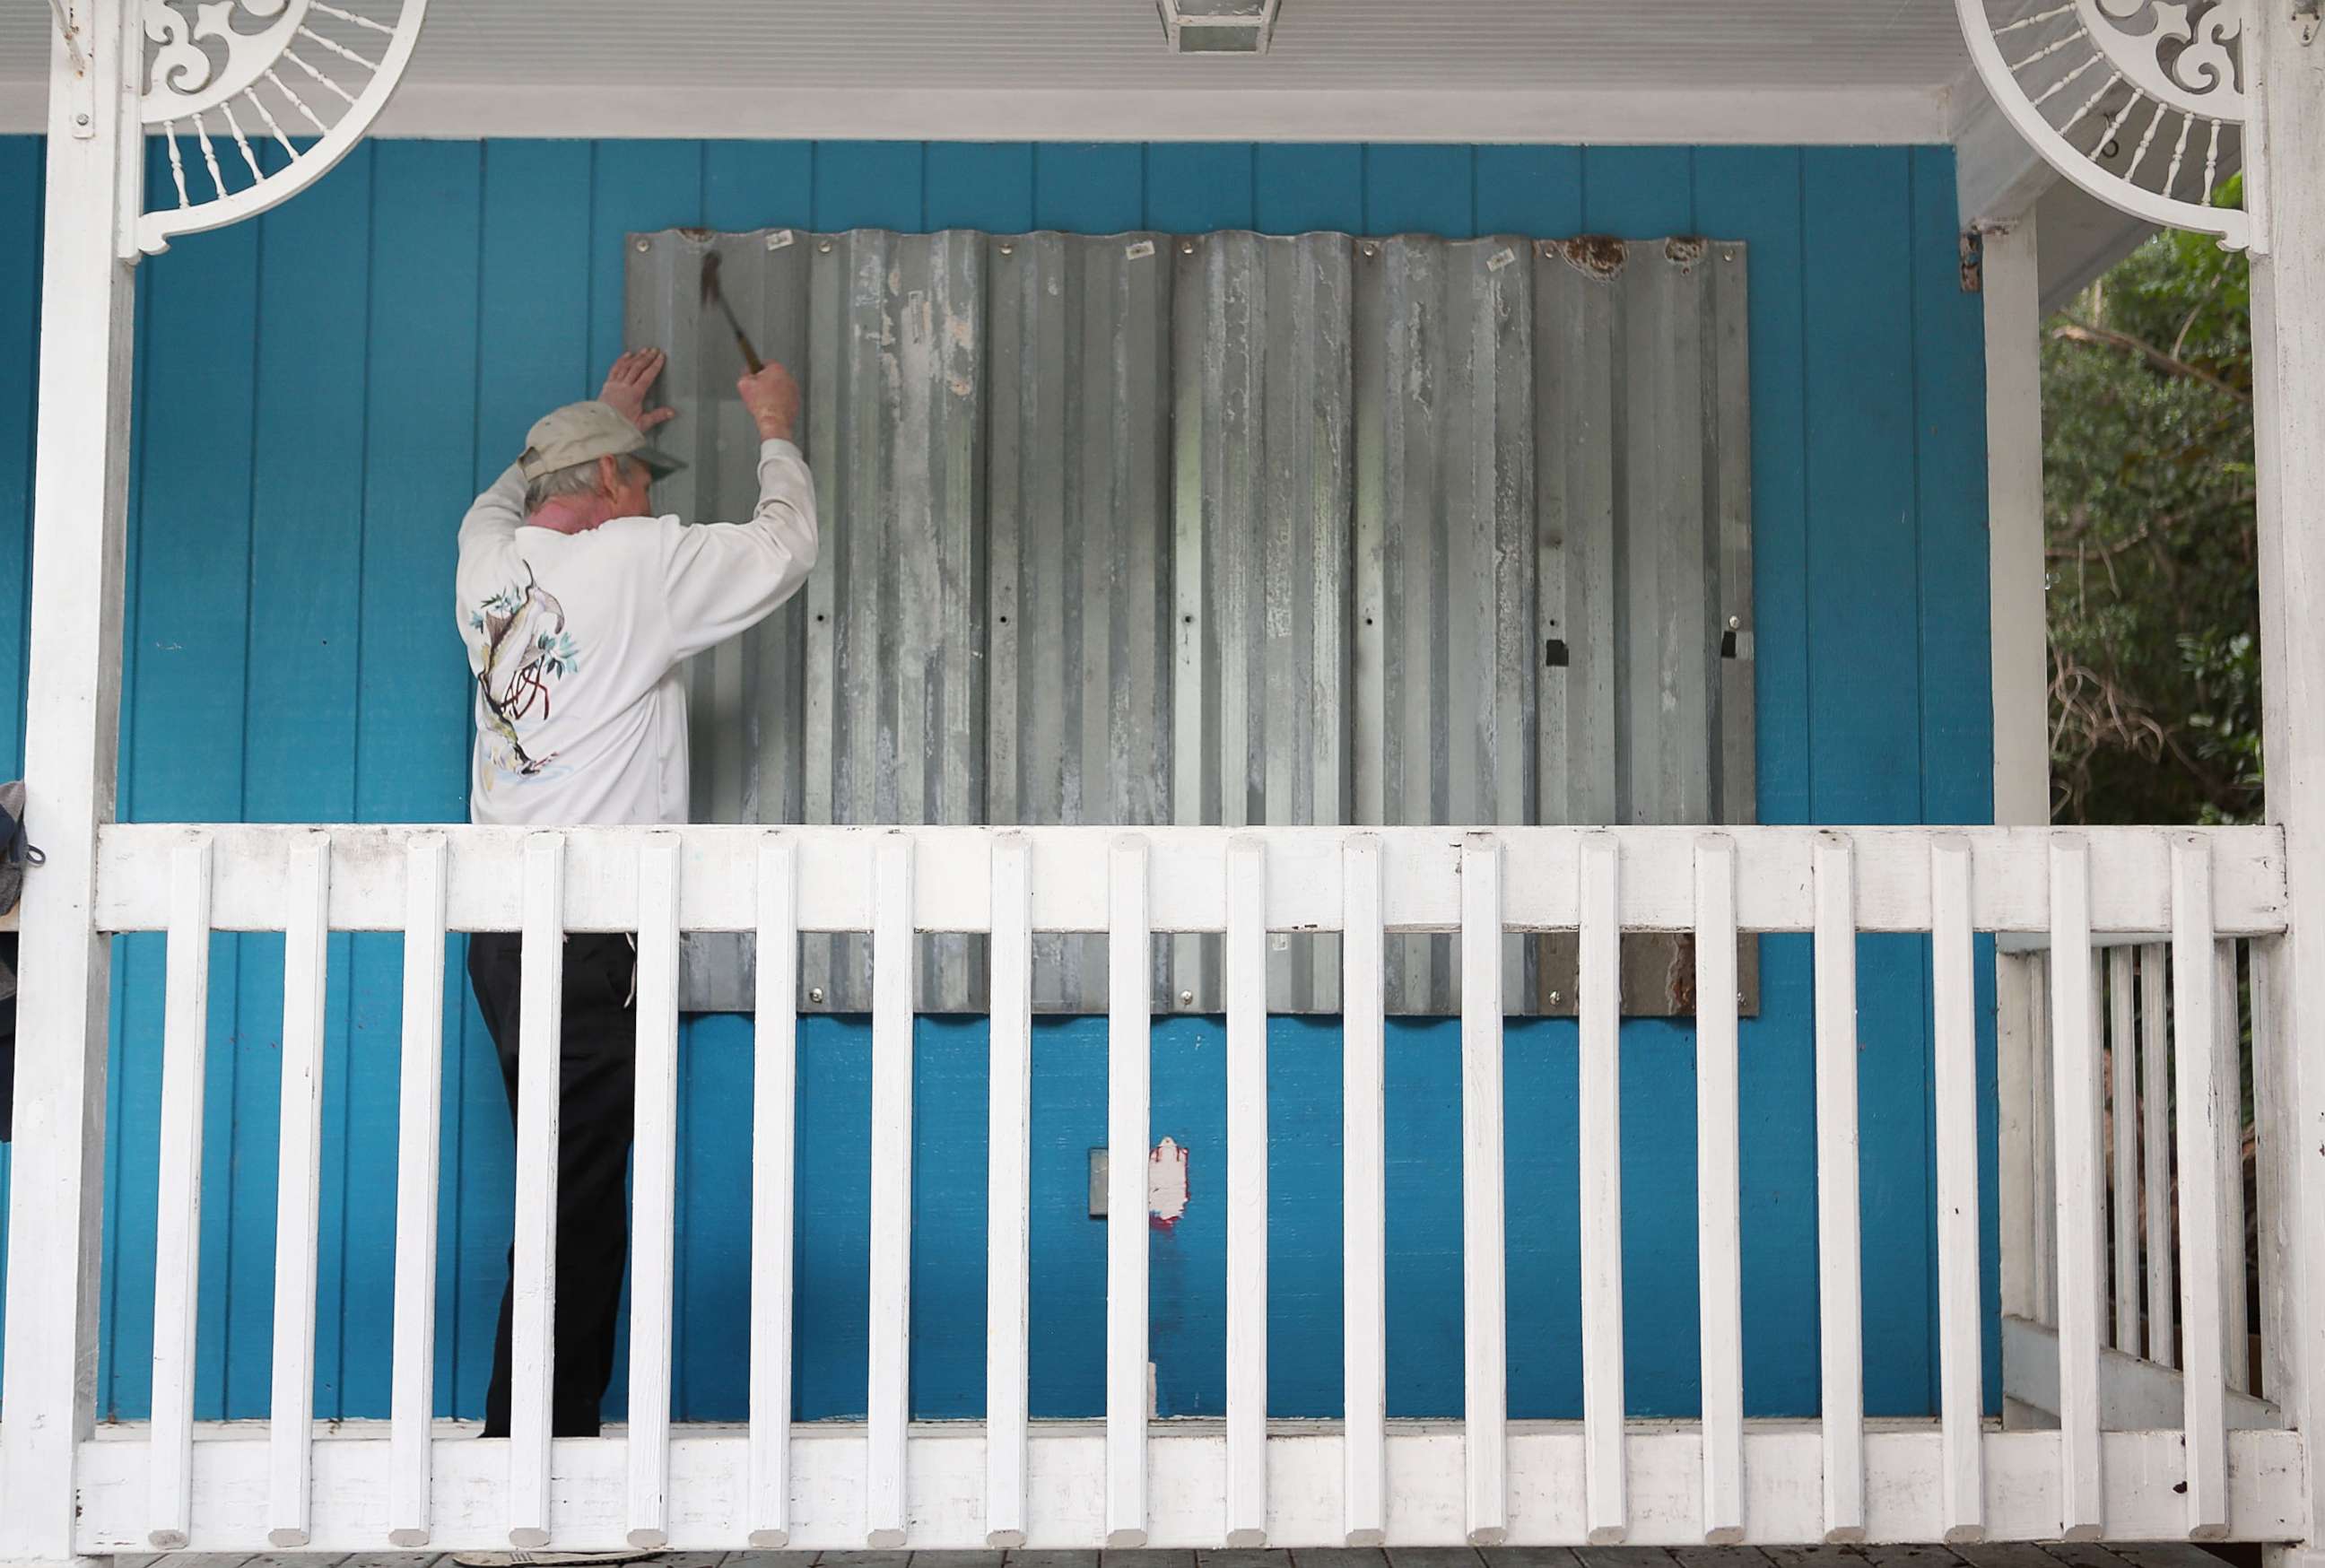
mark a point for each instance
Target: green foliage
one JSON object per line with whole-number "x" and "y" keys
{"x": 2148, "y": 478}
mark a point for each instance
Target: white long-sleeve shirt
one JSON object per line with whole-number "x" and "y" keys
{"x": 575, "y": 642}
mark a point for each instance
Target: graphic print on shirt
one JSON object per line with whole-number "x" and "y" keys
{"x": 526, "y": 652}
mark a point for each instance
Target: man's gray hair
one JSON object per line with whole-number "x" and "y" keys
{"x": 576, "y": 479}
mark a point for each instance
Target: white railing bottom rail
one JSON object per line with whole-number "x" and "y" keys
{"x": 1126, "y": 1480}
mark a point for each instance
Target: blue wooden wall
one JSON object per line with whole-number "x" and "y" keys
{"x": 320, "y": 392}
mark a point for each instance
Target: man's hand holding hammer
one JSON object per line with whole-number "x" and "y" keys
{"x": 772, "y": 398}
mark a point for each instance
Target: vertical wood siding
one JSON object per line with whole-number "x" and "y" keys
{"x": 321, "y": 391}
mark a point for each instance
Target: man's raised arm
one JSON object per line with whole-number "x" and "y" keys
{"x": 724, "y": 578}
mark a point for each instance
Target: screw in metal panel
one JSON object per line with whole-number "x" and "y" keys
{"x": 1371, "y": 249}
{"x": 815, "y": 994}
{"x": 825, "y": 247}
{"x": 1187, "y": 248}
{"x": 1734, "y": 623}
{"x": 81, "y": 118}
{"x": 1008, "y": 250}
{"x": 1185, "y": 998}
{"x": 645, "y": 244}
{"x": 1556, "y": 998}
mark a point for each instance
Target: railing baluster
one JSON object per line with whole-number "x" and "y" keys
{"x": 541, "y": 1003}
{"x": 178, "y": 1211}
{"x": 1008, "y": 1213}
{"x": 888, "y": 1389}
{"x": 2195, "y": 971}
{"x": 1719, "y": 1236}
{"x": 1247, "y": 1281}
{"x": 774, "y": 1076}
{"x": 306, "y": 938}
{"x": 2156, "y": 1144}
{"x": 2017, "y": 995}
{"x": 653, "y": 1193}
{"x": 1839, "y": 1270}
{"x": 2275, "y": 1167}
{"x": 1605, "y": 1493}
{"x": 419, "y": 1116}
{"x": 2123, "y": 1064}
{"x": 2227, "y": 1063}
{"x": 1364, "y": 1505}
{"x": 2046, "y": 1151}
{"x": 2081, "y": 1189}
{"x": 1129, "y": 1066}
{"x": 1484, "y": 1391}
{"x": 1954, "y": 1043}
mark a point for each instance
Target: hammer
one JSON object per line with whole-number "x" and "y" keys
{"x": 711, "y": 294}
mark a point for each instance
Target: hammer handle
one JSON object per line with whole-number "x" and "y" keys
{"x": 750, "y": 356}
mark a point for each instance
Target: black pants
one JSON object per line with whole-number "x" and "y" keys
{"x": 598, "y": 1072}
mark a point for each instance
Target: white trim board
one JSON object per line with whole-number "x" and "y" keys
{"x": 1186, "y": 1470}
{"x": 1607, "y": 116}
{"x": 2135, "y": 1394}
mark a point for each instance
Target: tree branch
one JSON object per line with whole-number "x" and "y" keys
{"x": 2140, "y": 535}
{"x": 2072, "y": 331}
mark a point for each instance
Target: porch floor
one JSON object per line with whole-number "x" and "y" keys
{"x": 2009, "y": 1555}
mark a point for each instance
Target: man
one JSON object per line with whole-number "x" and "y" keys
{"x": 577, "y": 605}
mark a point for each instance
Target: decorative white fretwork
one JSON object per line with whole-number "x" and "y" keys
{"x": 272, "y": 93}
{"x": 2142, "y": 102}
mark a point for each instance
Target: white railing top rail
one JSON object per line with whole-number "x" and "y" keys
{"x": 2131, "y": 891}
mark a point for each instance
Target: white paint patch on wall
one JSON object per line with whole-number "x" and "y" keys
{"x": 1166, "y": 1184}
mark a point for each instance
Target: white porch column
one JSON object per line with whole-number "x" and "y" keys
{"x": 2288, "y": 297}
{"x": 71, "y": 731}
{"x": 2013, "y": 291}
{"x": 2021, "y": 678}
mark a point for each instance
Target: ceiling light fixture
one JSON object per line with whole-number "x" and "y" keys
{"x": 1218, "y": 26}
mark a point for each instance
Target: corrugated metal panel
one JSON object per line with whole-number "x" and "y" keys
{"x": 1263, "y": 496}
{"x": 1643, "y": 558}
{"x": 1081, "y": 670}
{"x": 862, "y": 700}
{"x": 746, "y": 696}
{"x": 1444, "y": 532}
{"x": 1228, "y": 528}
{"x": 894, "y": 717}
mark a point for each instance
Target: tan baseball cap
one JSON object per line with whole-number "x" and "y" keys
{"x": 581, "y": 433}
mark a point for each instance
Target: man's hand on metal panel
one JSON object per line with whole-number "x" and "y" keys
{"x": 628, "y": 383}
{"x": 772, "y": 398}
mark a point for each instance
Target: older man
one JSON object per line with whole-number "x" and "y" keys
{"x": 579, "y": 605}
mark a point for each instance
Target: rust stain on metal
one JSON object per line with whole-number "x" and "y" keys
{"x": 1686, "y": 249}
{"x": 1597, "y": 255}
{"x": 1679, "y": 979}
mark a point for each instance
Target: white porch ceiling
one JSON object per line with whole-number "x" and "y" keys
{"x": 1664, "y": 71}
{"x": 1604, "y": 72}
{"x": 1538, "y": 44}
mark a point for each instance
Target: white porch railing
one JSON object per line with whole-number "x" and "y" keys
{"x": 2193, "y": 1124}
{"x": 1128, "y": 1480}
